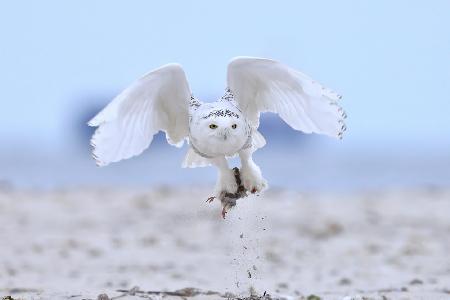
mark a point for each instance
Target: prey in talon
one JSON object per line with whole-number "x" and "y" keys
{"x": 228, "y": 200}
{"x": 161, "y": 100}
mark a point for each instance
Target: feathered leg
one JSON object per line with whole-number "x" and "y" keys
{"x": 250, "y": 173}
{"x": 226, "y": 181}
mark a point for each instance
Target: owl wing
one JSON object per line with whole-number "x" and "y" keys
{"x": 157, "y": 101}
{"x": 264, "y": 85}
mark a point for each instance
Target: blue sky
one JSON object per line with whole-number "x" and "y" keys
{"x": 390, "y": 59}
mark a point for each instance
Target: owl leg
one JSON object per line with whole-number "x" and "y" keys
{"x": 250, "y": 173}
{"x": 226, "y": 181}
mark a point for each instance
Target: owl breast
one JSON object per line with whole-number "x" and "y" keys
{"x": 218, "y": 129}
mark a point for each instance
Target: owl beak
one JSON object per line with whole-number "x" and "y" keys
{"x": 225, "y": 134}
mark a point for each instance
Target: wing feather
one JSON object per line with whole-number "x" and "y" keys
{"x": 264, "y": 85}
{"x": 157, "y": 101}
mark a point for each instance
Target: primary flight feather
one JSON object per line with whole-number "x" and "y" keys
{"x": 162, "y": 100}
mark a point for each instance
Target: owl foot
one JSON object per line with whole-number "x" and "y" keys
{"x": 226, "y": 183}
{"x": 252, "y": 178}
{"x": 228, "y": 199}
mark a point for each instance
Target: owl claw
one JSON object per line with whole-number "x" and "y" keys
{"x": 252, "y": 179}
{"x": 210, "y": 199}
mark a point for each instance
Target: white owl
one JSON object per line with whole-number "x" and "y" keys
{"x": 162, "y": 100}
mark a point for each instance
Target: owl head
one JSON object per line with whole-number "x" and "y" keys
{"x": 219, "y": 130}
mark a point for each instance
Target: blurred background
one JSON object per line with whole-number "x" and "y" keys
{"x": 61, "y": 62}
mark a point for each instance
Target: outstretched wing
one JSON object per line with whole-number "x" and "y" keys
{"x": 264, "y": 85}
{"x": 157, "y": 101}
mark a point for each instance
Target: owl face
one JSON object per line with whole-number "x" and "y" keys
{"x": 219, "y": 131}
{"x": 223, "y": 128}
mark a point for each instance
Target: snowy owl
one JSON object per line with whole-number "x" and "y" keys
{"x": 162, "y": 100}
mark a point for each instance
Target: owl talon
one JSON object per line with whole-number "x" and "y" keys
{"x": 252, "y": 179}
{"x": 210, "y": 199}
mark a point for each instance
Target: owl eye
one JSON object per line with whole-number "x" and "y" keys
{"x": 213, "y": 126}
{"x": 234, "y": 126}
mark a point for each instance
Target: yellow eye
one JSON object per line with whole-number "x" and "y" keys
{"x": 213, "y": 126}
{"x": 234, "y": 126}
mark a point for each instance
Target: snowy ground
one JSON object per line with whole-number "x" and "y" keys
{"x": 79, "y": 243}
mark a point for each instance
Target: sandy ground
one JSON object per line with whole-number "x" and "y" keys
{"x": 77, "y": 244}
